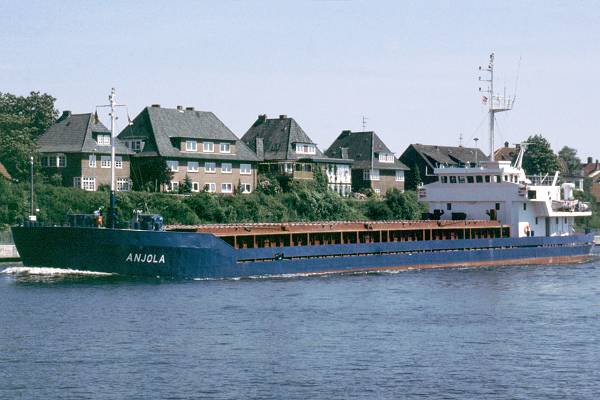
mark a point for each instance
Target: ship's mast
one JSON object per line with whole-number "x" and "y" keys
{"x": 112, "y": 106}
{"x": 495, "y": 102}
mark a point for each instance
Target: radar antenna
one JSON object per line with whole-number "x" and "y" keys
{"x": 496, "y": 103}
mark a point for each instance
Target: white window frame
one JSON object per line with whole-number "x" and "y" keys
{"x": 246, "y": 188}
{"x": 386, "y": 158}
{"x": 226, "y": 187}
{"x": 193, "y": 166}
{"x": 226, "y": 168}
{"x": 173, "y": 186}
{"x": 195, "y": 187}
{"x": 208, "y": 147}
{"x": 103, "y": 140}
{"x": 399, "y": 175}
{"x": 225, "y": 145}
{"x": 371, "y": 175}
{"x": 92, "y": 161}
{"x": 210, "y": 167}
{"x": 173, "y": 165}
{"x": 245, "y": 169}
{"x": 60, "y": 157}
{"x": 118, "y": 162}
{"x": 210, "y": 187}
{"x": 306, "y": 148}
{"x": 191, "y": 145}
{"x": 123, "y": 184}
{"x": 104, "y": 161}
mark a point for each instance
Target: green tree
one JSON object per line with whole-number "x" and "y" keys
{"x": 149, "y": 174}
{"x": 22, "y": 120}
{"x": 539, "y": 159}
{"x": 403, "y": 205}
{"x": 570, "y": 161}
{"x": 186, "y": 186}
{"x": 413, "y": 177}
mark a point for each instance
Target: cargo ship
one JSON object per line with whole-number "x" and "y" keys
{"x": 487, "y": 213}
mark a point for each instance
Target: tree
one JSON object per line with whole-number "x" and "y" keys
{"x": 539, "y": 159}
{"x": 403, "y": 205}
{"x": 150, "y": 173}
{"x": 413, "y": 177}
{"x": 186, "y": 186}
{"x": 22, "y": 121}
{"x": 570, "y": 161}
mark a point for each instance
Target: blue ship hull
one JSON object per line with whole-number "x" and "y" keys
{"x": 203, "y": 255}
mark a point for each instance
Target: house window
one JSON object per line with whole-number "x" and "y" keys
{"x": 246, "y": 169}
{"x": 210, "y": 187}
{"x": 210, "y": 167}
{"x": 103, "y": 140}
{"x": 44, "y": 161}
{"x": 191, "y": 145}
{"x": 378, "y": 191}
{"x": 386, "y": 157}
{"x": 225, "y": 168}
{"x": 524, "y": 206}
{"x": 226, "y": 188}
{"x": 208, "y": 147}
{"x": 173, "y": 165}
{"x": 536, "y": 220}
{"x": 92, "y": 161}
{"x": 173, "y": 186}
{"x": 104, "y": 161}
{"x": 137, "y": 145}
{"x": 399, "y": 175}
{"x": 85, "y": 183}
{"x": 123, "y": 184}
{"x": 448, "y": 206}
{"x": 225, "y": 148}
{"x": 288, "y": 168}
{"x": 307, "y": 168}
{"x": 306, "y": 148}
{"x": 193, "y": 166}
{"x": 498, "y": 207}
{"x": 371, "y": 174}
{"x": 61, "y": 161}
{"x": 195, "y": 186}
{"x": 118, "y": 162}
{"x": 245, "y": 188}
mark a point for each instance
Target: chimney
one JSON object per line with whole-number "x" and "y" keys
{"x": 179, "y": 108}
{"x": 260, "y": 149}
{"x": 65, "y": 114}
{"x": 347, "y": 131}
{"x": 156, "y": 105}
{"x": 282, "y": 116}
{"x": 344, "y": 152}
{"x": 262, "y": 117}
{"x": 590, "y": 160}
{"x": 505, "y": 144}
{"x": 189, "y": 109}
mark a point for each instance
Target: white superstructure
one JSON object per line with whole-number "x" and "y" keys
{"x": 531, "y": 206}
{"x": 499, "y": 190}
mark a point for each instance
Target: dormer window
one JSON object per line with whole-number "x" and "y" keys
{"x": 386, "y": 157}
{"x": 103, "y": 140}
{"x": 306, "y": 148}
{"x": 191, "y": 145}
{"x": 225, "y": 148}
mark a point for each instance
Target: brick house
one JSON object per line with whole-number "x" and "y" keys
{"x": 374, "y": 165}
{"x": 194, "y": 144}
{"x": 591, "y": 171}
{"x": 284, "y": 148}
{"x": 422, "y": 159}
{"x": 76, "y": 149}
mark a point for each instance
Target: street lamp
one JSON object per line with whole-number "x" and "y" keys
{"x": 476, "y": 148}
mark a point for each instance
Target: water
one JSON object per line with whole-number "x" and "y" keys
{"x": 494, "y": 333}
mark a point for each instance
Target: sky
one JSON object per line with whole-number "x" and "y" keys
{"x": 409, "y": 67}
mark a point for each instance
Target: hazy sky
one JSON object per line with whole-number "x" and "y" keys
{"x": 410, "y": 67}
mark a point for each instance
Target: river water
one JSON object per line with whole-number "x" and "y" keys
{"x": 490, "y": 333}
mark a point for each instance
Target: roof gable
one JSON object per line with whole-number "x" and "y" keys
{"x": 362, "y": 147}
{"x": 74, "y": 133}
{"x": 279, "y": 136}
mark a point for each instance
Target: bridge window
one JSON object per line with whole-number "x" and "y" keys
{"x": 479, "y": 179}
{"x": 461, "y": 179}
{"x": 487, "y": 179}
{"x": 444, "y": 179}
{"x": 452, "y": 179}
{"x": 448, "y": 206}
{"x": 470, "y": 179}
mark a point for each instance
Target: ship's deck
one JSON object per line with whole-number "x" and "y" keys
{"x": 253, "y": 235}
